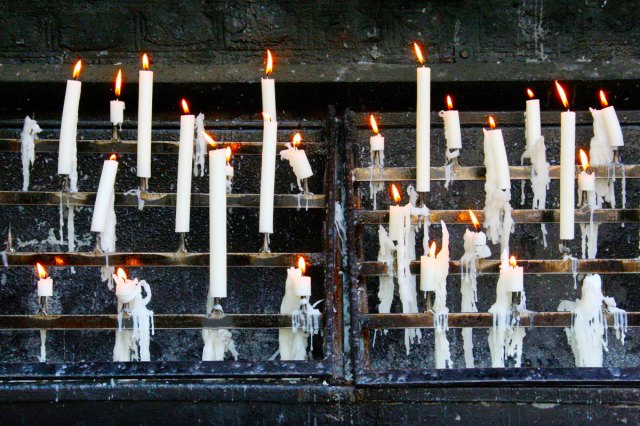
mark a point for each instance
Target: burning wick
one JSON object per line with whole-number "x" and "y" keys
{"x": 76, "y": 69}
{"x": 185, "y": 106}
{"x": 530, "y": 94}
{"x": 269, "y": 69}
{"x": 145, "y": 62}
{"x": 395, "y": 193}
{"x": 492, "y": 122}
{"x": 449, "y": 103}
{"x": 474, "y": 220}
{"x": 418, "y": 52}
{"x": 563, "y": 95}
{"x": 603, "y": 99}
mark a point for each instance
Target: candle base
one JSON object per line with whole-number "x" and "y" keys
{"x": 43, "y": 305}
{"x": 265, "y": 244}
{"x": 144, "y": 184}
{"x": 216, "y": 311}
{"x": 428, "y": 306}
{"x": 616, "y": 156}
{"x": 9, "y": 242}
{"x": 564, "y": 248}
{"x": 422, "y": 197}
{"x": 376, "y": 160}
{"x": 98, "y": 248}
{"x": 115, "y": 136}
{"x": 182, "y": 245}
{"x": 305, "y": 185}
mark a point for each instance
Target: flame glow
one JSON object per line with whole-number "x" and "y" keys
{"x": 119, "y": 83}
{"x": 530, "y": 94}
{"x": 113, "y": 157}
{"x": 374, "y": 124}
{"x": 42, "y": 273}
{"x": 76, "y": 69}
{"x": 432, "y": 249}
{"x": 209, "y": 139}
{"x": 492, "y": 122}
{"x": 121, "y": 274}
{"x": 395, "y": 193}
{"x": 269, "y": 69}
{"x": 145, "y": 62}
{"x": 228, "y": 154}
{"x": 584, "y": 159}
{"x": 418, "y": 52}
{"x": 603, "y": 99}
{"x": 185, "y": 106}
{"x": 563, "y": 95}
{"x": 474, "y": 220}
{"x": 297, "y": 138}
{"x": 266, "y": 117}
{"x": 449, "y": 102}
{"x": 302, "y": 265}
{"x": 512, "y": 261}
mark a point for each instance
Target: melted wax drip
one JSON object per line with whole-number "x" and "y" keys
{"x": 27, "y": 143}
{"x": 133, "y": 345}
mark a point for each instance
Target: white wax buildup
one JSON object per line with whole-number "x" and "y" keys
{"x": 28, "y": 136}
{"x": 217, "y": 341}
{"x": 201, "y": 147}
{"x": 293, "y": 344}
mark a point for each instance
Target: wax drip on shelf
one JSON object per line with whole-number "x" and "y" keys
{"x": 539, "y": 178}
{"x": 200, "y": 151}
{"x": 294, "y": 342}
{"x": 28, "y": 136}
{"x": 217, "y": 342}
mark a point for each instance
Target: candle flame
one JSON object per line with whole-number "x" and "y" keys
{"x": 474, "y": 220}
{"x": 185, "y": 106}
{"x": 530, "y": 93}
{"x": 492, "y": 122}
{"x": 512, "y": 261}
{"x": 228, "y": 154}
{"x": 77, "y": 68}
{"x": 145, "y": 62}
{"x": 603, "y": 99}
{"x": 297, "y": 138}
{"x": 563, "y": 95}
{"x": 584, "y": 159}
{"x": 42, "y": 273}
{"x": 395, "y": 193}
{"x": 121, "y": 274}
{"x": 269, "y": 69}
{"x": 119, "y": 83}
{"x": 209, "y": 139}
{"x": 418, "y": 52}
{"x": 113, "y": 157}
{"x": 432, "y": 249}
{"x": 449, "y": 102}
{"x": 302, "y": 265}
{"x": 266, "y": 117}
{"x": 374, "y": 124}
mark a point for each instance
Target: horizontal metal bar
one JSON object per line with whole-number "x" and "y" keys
{"x": 238, "y": 260}
{"x": 479, "y": 118}
{"x": 152, "y": 199}
{"x": 376, "y": 217}
{"x": 478, "y": 320}
{"x": 367, "y": 174}
{"x": 174, "y": 321}
{"x": 163, "y": 370}
{"x": 585, "y": 266}
{"x": 157, "y": 147}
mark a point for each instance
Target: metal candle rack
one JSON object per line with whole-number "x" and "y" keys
{"x": 328, "y": 366}
{"x": 365, "y": 321}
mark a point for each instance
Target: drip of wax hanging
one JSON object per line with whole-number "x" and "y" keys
{"x": 217, "y": 341}
{"x": 376, "y": 145}
{"x": 536, "y": 152}
{"x": 132, "y": 344}
{"x": 475, "y": 247}
{"x": 28, "y": 136}
{"x": 201, "y": 141}
{"x": 587, "y": 188}
{"x": 293, "y": 344}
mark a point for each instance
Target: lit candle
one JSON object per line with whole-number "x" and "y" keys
{"x": 268, "y": 174}
{"x": 126, "y": 289}
{"x": 451, "y": 126}
{"x": 423, "y": 125}
{"x": 495, "y": 143}
{"x": 586, "y": 179}
{"x": 105, "y": 195}
{"x": 218, "y": 223}
{"x": 302, "y": 283}
{"x": 376, "y": 142}
{"x": 45, "y": 283}
{"x": 429, "y": 270}
{"x": 297, "y": 159}
{"x": 477, "y": 241}
{"x": 512, "y": 276}
{"x": 533, "y": 130}
{"x": 117, "y": 106}
{"x": 567, "y": 168}
{"x": 145, "y": 108}
{"x": 69, "y": 125}
{"x": 398, "y": 216}
{"x": 269, "y": 90}
{"x": 611, "y": 123}
{"x": 185, "y": 158}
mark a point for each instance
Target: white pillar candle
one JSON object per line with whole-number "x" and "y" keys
{"x": 126, "y": 289}
{"x": 104, "y": 196}
{"x": 423, "y": 130}
{"x": 117, "y": 107}
{"x": 533, "y": 130}
{"x": 376, "y": 142}
{"x": 612, "y": 127}
{"x": 185, "y": 162}
{"x": 429, "y": 270}
{"x": 512, "y": 276}
{"x": 586, "y": 178}
{"x": 69, "y": 124}
{"x": 218, "y": 223}
{"x": 452, "y": 132}
{"x": 303, "y": 286}
{"x": 499, "y": 159}
{"x": 268, "y": 174}
{"x": 398, "y": 217}
{"x": 567, "y": 174}
{"x": 268, "y": 86}
{"x": 145, "y": 108}
{"x": 45, "y": 283}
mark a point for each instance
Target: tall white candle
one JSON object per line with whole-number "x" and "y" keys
{"x": 117, "y": 106}
{"x": 452, "y": 132}
{"x": 567, "y": 168}
{"x": 533, "y": 130}
{"x": 145, "y": 108}
{"x": 218, "y": 223}
{"x": 268, "y": 86}
{"x": 268, "y": 174}
{"x": 423, "y": 125}
{"x": 104, "y": 196}
{"x": 69, "y": 124}
{"x": 495, "y": 143}
{"x": 185, "y": 161}
{"x": 45, "y": 283}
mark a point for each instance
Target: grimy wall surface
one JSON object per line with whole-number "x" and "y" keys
{"x": 347, "y": 53}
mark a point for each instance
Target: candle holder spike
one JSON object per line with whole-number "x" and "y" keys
{"x": 9, "y": 244}
{"x": 305, "y": 185}
{"x": 43, "y": 305}
{"x": 182, "y": 245}
{"x": 98, "y": 248}
{"x": 144, "y": 184}
{"x": 428, "y": 307}
{"x": 65, "y": 183}
{"x": 265, "y": 244}
{"x": 115, "y": 137}
{"x": 216, "y": 310}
